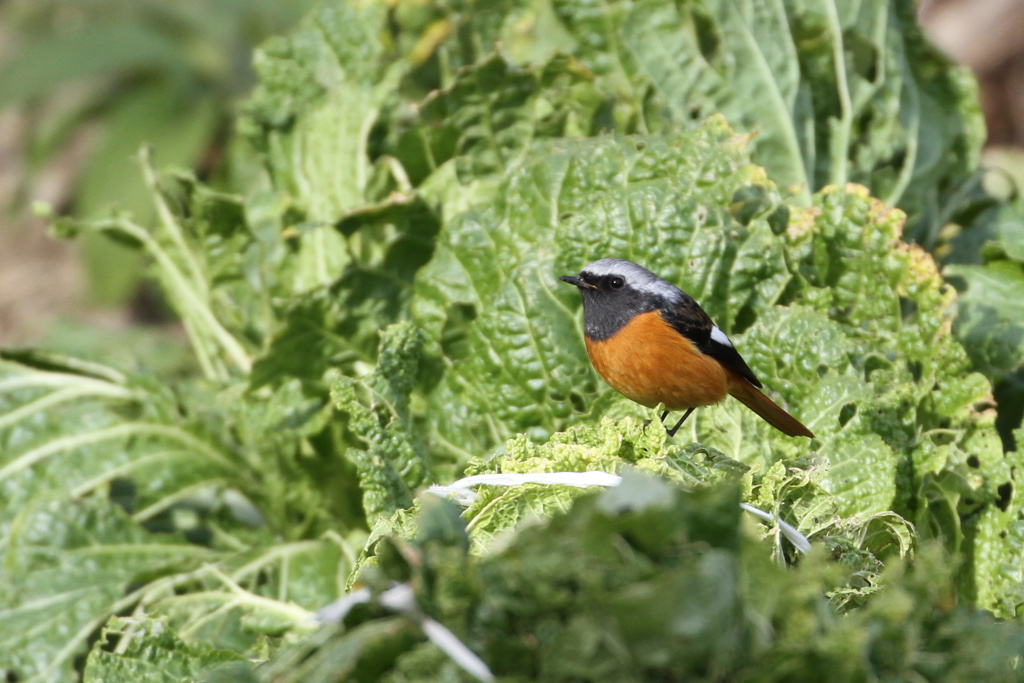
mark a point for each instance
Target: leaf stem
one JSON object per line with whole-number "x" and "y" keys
{"x": 169, "y": 223}
{"x": 56, "y": 398}
{"x": 192, "y": 305}
{"x": 169, "y": 500}
{"x": 37, "y": 455}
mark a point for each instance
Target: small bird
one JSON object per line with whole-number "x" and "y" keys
{"x": 654, "y": 344}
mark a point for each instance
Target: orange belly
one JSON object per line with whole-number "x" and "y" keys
{"x": 649, "y": 362}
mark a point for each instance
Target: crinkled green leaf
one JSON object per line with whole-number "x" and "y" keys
{"x": 998, "y": 560}
{"x": 845, "y": 92}
{"x": 644, "y": 198}
{"x": 335, "y": 71}
{"x": 155, "y": 654}
{"x": 648, "y": 581}
{"x": 91, "y": 456}
{"x": 605, "y": 448}
{"x": 599, "y": 198}
{"x": 991, "y": 300}
{"x": 67, "y": 567}
{"x": 494, "y": 110}
{"x": 875, "y": 372}
{"x": 339, "y": 326}
{"x": 394, "y": 460}
{"x": 417, "y": 169}
{"x": 76, "y": 435}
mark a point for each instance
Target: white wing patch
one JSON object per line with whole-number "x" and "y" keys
{"x": 719, "y": 336}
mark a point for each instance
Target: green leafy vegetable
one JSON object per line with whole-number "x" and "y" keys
{"x": 646, "y": 581}
{"x": 844, "y": 93}
{"x": 154, "y": 653}
{"x": 989, "y": 320}
{"x": 395, "y": 463}
{"x": 380, "y": 311}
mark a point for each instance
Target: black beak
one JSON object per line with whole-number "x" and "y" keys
{"x": 573, "y": 280}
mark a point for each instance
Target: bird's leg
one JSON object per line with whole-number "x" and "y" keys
{"x": 672, "y": 432}
{"x": 647, "y": 422}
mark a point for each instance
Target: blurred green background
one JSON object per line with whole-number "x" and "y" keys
{"x": 83, "y": 84}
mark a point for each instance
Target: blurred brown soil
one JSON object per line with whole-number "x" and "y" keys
{"x": 40, "y": 277}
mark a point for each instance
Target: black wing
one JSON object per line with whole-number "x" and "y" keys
{"x": 690, "y": 320}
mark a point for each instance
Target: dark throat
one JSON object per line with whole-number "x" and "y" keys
{"x": 607, "y": 312}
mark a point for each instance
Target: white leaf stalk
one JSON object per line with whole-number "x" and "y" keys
{"x": 401, "y": 599}
{"x": 462, "y": 493}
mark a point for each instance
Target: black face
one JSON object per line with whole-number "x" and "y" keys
{"x": 609, "y": 302}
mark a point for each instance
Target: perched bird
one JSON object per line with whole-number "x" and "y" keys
{"x": 654, "y": 344}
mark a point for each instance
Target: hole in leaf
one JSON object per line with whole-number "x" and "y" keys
{"x": 972, "y": 461}
{"x": 915, "y": 370}
{"x": 1005, "y": 491}
{"x": 846, "y": 413}
{"x": 875, "y": 362}
{"x": 822, "y": 369}
{"x": 908, "y": 307}
{"x": 982, "y": 406}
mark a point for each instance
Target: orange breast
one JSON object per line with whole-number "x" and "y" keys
{"x": 649, "y": 362}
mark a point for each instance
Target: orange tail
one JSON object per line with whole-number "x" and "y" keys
{"x": 747, "y": 394}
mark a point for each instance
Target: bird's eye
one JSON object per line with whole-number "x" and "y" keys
{"x": 616, "y": 283}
